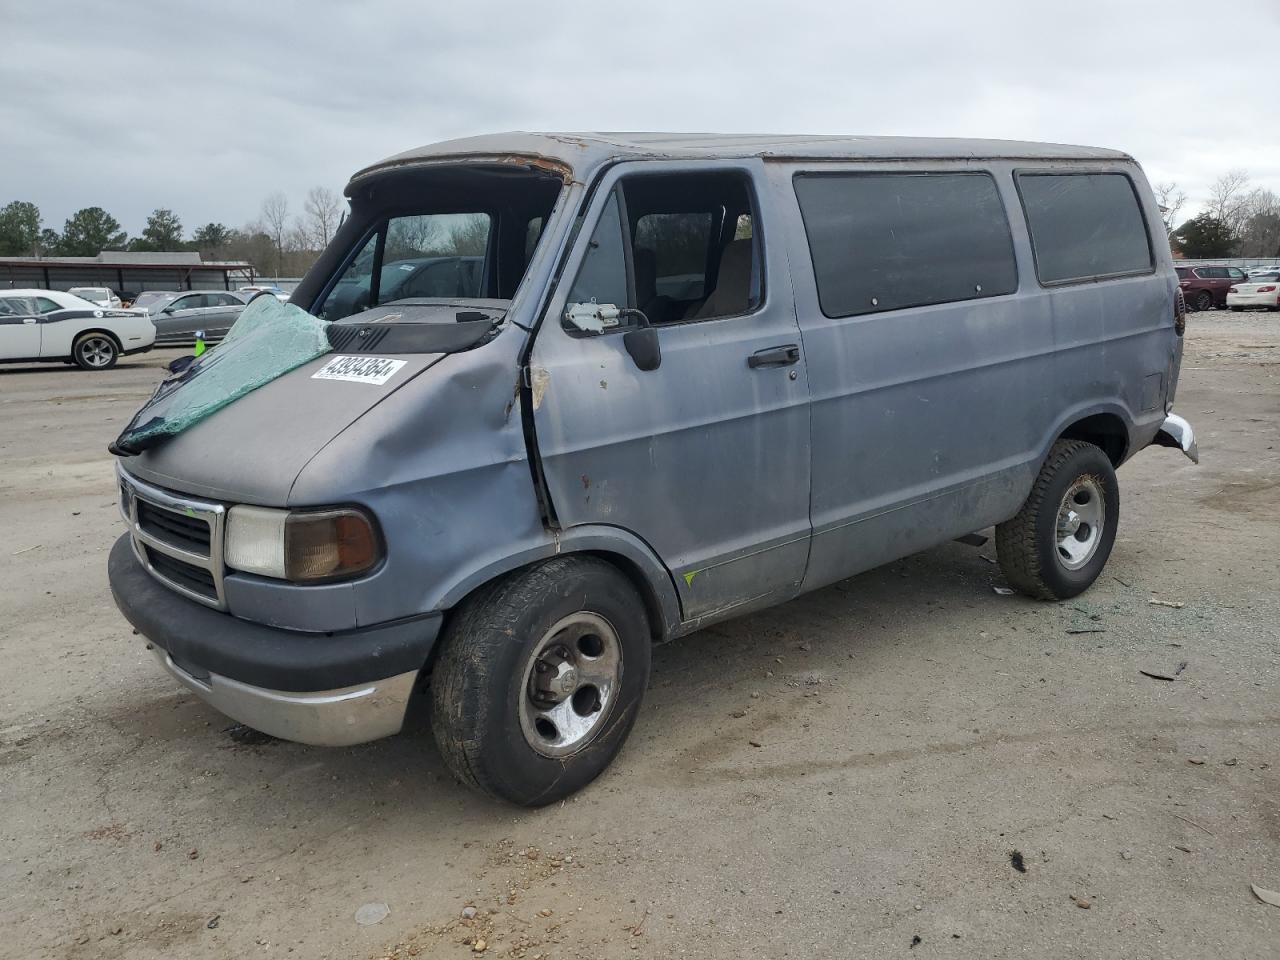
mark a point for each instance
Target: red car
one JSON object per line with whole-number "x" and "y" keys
{"x": 1205, "y": 286}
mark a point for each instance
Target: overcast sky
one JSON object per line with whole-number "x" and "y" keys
{"x": 206, "y": 108}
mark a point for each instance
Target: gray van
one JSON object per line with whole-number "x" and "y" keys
{"x": 690, "y": 377}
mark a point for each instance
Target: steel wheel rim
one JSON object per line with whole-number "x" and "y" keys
{"x": 570, "y": 684}
{"x": 1081, "y": 517}
{"x": 96, "y": 351}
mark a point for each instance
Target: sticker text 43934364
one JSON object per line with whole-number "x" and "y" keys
{"x": 375, "y": 370}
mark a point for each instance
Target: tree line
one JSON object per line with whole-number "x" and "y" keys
{"x": 277, "y": 243}
{"x": 1239, "y": 220}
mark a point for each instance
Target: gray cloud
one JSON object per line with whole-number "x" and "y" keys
{"x": 207, "y": 108}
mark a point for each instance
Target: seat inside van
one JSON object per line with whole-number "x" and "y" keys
{"x": 693, "y": 253}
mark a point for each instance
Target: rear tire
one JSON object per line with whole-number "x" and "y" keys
{"x": 1203, "y": 301}
{"x": 540, "y": 679}
{"x": 94, "y": 351}
{"x": 1060, "y": 540}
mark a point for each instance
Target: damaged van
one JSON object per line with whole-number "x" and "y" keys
{"x": 548, "y": 400}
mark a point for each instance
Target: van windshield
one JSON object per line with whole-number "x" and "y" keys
{"x": 422, "y": 255}
{"x": 454, "y": 233}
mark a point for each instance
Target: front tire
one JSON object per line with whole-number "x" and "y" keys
{"x": 94, "y": 351}
{"x": 1060, "y": 540}
{"x": 540, "y": 679}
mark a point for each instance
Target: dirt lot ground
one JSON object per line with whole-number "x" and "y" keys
{"x": 914, "y": 728}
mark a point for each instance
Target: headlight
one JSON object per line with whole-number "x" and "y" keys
{"x": 302, "y": 546}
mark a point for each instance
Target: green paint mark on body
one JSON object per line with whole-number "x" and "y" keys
{"x": 688, "y": 577}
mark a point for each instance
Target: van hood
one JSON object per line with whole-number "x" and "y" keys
{"x": 252, "y": 450}
{"x": 242, "y": 420}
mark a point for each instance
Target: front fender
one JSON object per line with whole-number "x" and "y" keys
{"x": 597, "y": 539}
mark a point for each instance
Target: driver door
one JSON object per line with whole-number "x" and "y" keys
{"x": 705, "y": 457}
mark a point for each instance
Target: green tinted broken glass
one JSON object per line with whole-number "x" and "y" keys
{"x": 268, "y": 340}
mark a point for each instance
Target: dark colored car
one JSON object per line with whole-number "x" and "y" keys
{"x": 446, "y": 277}
{"x": 178, "y": 315}
{"x": 1205, "y": 287}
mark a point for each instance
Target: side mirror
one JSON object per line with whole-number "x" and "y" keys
{"x": 642, "y": 344}
{"x": 641, "y": 341}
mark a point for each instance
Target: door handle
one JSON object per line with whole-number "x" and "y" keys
{"x": 782, "y": 356}
{"x": 28, "y": 319}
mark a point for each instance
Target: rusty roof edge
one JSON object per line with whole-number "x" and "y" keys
{"x": 536, "y": 161}
{"x": 576, "y": 157}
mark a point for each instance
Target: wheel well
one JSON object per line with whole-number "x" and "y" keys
{"x": 1105, "y": 430}
{"x": 106, "y": 333}
{"x": 652, "y": 607}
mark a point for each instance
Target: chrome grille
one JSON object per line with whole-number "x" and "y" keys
{"x": 177, "y": 538}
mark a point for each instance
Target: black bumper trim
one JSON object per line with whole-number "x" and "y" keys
{"x": 260, "y": 655}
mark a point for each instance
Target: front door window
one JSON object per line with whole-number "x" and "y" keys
{"x": 678, "y": 248}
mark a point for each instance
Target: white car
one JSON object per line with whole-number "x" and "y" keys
{"x": 103, "y": 297}
{"x": 252, "y": 291}
{"x": 53, "y": 325}
{"x": 1260, "y": 290}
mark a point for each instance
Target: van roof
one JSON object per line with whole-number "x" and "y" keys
{"x": 579, "y": 153}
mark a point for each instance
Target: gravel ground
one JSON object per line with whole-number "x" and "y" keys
{"x": 847, "y": 775}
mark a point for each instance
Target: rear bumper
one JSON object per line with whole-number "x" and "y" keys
{"x": 329, "y": 689}
{"x": 1251, "y": 300}
{"x": 1176, "y": 432}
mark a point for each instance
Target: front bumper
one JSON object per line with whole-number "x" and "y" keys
{"x": 1176, "y": 432}
{"x": 326, "y": 718}
{"x": 328, "y": 689}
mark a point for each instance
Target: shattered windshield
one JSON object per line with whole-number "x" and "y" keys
{"x": 268, "y": 339}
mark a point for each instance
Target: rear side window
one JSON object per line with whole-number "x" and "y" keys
{"x": 1084, "y": 226}
{"x": 888, "y": 241}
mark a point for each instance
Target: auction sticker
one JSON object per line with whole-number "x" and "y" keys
{"x": 375, "y": 370}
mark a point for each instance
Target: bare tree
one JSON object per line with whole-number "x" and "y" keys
{"x": 1260, "y": 232}
{"x": 1171, "y": 199}
{"x": 1228, "y": 199}
{"x": 275, "y": 222}
{"x": 323, "y": 208}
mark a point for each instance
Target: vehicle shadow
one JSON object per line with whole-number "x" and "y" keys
{"x": 706, "y": 675}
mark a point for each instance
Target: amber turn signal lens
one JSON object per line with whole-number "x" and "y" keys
{"x": 329, "y": 545}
